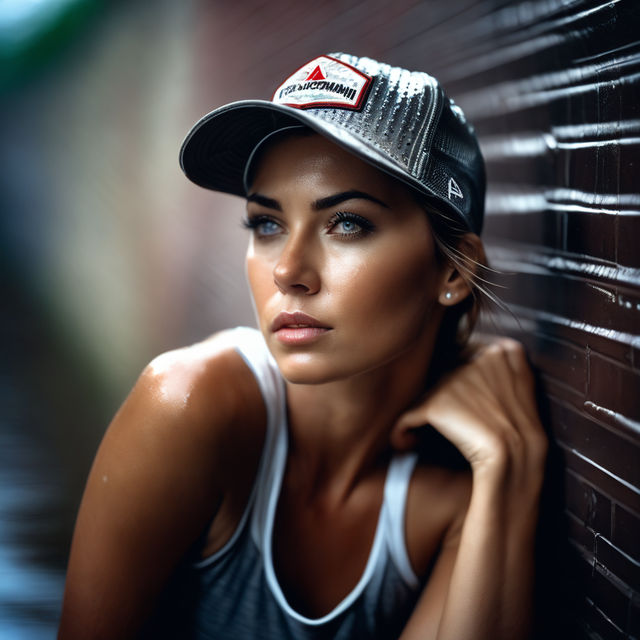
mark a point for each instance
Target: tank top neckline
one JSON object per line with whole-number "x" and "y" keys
{"x": 257, "y": 520}
{"x": 375, "y": 553}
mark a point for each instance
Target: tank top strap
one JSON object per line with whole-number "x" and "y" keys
{"x": 251, "y": 346}
{"x": 395, "y": 497}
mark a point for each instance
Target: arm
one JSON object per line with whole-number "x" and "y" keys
{"x": 157, "y": 480}
{"x": 482, "y": 583}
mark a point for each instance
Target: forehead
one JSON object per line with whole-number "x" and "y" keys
{"x": 309, "y": 158}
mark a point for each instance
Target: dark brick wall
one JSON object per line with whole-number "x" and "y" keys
{"x": 552, "y": 87}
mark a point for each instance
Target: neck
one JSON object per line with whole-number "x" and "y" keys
{"x": 339, "y": 431}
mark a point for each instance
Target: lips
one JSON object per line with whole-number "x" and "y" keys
{"x": 297, "y": 328}
{"x": 296, "y": 320}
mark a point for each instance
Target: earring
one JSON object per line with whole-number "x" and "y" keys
{"x": 448, "y": 295}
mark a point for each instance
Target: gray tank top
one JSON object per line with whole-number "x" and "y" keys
{"x": 235, "y": 592}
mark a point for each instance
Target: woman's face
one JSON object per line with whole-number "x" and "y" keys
{"x": 341, "y": 263}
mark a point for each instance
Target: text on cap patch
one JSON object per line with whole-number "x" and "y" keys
{"x": 324, "y": 82}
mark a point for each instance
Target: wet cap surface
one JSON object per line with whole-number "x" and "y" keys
{"x": 399, "y": 121}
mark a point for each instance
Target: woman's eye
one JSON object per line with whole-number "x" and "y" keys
{"x": 349, "y": 224}
{"x": 262, "y": 226}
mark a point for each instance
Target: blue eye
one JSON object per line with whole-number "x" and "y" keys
{"x": 350, "y": 224}
{"x": 263, "y": 226}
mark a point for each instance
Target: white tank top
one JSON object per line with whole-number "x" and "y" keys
{"x": 235, "y": 593}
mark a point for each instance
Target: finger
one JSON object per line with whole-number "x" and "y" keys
{"x": 523, "y": 375}
{"x": 520, "y": 402}
{"x": 524, "y": 385}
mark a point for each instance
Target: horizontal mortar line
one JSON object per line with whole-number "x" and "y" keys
{"x": 594, "y": 275}
{"x": 528, "y": 145}
{"x": 588, "y": 198}
{"x": 624, "y": 47}
{"x": 583, "y": 551}
{"x": 605, "y": 616}
{"x": 613, "y": 577}
{"x": 614, "y": 501}
{"x": 551, "y": 199}
{"x": 531, "y": 317}
{"x": 563, "y": 265}
{"x": 597, "y": 536}
{"x": 617, "y": 418}
{"x": 631, "y": 559}
{"x": 521, "y": 203}
{"x": 576, "y": 413}
{"x": 572, "y": 408}
{"x": 582, "y": 208}
{"x": 483, "y": 32}
{"x": 543, "y": 144}
{"x": 486, "y": 110}
{"x": 622, "y": 141}
{"x": 519, "y": 40}
{"x": 586, "y": 77}
{"x": 602, "y": 469}
{"x": 620, "y": 337}
{"x": 568, "y": 131}
{"x": 561, "y": 384}
{"x": 574, "y": 516}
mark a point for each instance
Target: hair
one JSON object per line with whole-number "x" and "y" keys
{"x": 459, "y": 320}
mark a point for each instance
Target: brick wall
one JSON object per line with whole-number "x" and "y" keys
{"x": 552, "y": 87}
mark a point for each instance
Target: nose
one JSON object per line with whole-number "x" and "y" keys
{"x": 296, "y": 271}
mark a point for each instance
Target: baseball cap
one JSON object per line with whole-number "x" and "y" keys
{"x": 400, "y": 121}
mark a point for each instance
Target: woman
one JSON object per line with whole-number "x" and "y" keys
{"x": 275, "y": 484}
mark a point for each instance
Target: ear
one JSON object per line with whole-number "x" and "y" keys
{"x": 457, "y": 281}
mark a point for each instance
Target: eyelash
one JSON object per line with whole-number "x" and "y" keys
{"x": 366, "y": 226}
{"x": 253, "y": 223}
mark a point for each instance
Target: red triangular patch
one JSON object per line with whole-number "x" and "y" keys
{"x": 316, "y": 74}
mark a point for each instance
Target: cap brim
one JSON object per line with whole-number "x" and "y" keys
{"x": 216, "y": 150}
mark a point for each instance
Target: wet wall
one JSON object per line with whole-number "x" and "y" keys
{"x": 110, "y": 256}
{"x": 553, "y": 89}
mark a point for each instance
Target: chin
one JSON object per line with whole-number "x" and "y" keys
{"x": 306, "y": 371}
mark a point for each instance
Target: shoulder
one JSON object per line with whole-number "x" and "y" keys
{"x": 193, "y": 423}
{"x": 197, "y": 408}
{"x": 206, "y": 385}
{"x": 437, "y": 503}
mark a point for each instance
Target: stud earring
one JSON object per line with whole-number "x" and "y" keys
{"x": 448, "y": 295}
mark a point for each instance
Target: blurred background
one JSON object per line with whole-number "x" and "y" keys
{"x": 110, "y": 256}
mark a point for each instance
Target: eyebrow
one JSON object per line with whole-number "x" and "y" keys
{"x": 322, "y": 203}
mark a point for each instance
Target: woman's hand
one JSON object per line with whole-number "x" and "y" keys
{"x": 482, "y": 584}
{"x": 487, "y": 409}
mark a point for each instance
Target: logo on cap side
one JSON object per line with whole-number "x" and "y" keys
{"x": 324, "y": 82}
{"x": 454, "y": 189}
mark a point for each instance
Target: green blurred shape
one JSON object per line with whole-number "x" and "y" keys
{"x": 34, "y": 32}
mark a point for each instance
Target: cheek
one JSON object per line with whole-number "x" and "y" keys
{"x": 402, "y": 286}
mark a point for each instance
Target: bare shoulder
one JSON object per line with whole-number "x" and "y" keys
{"x": 192, "y": 424}
{"x": 187, "y": 405}
{"x": 205, "y": 387}
{"x": 436, "y": 506}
